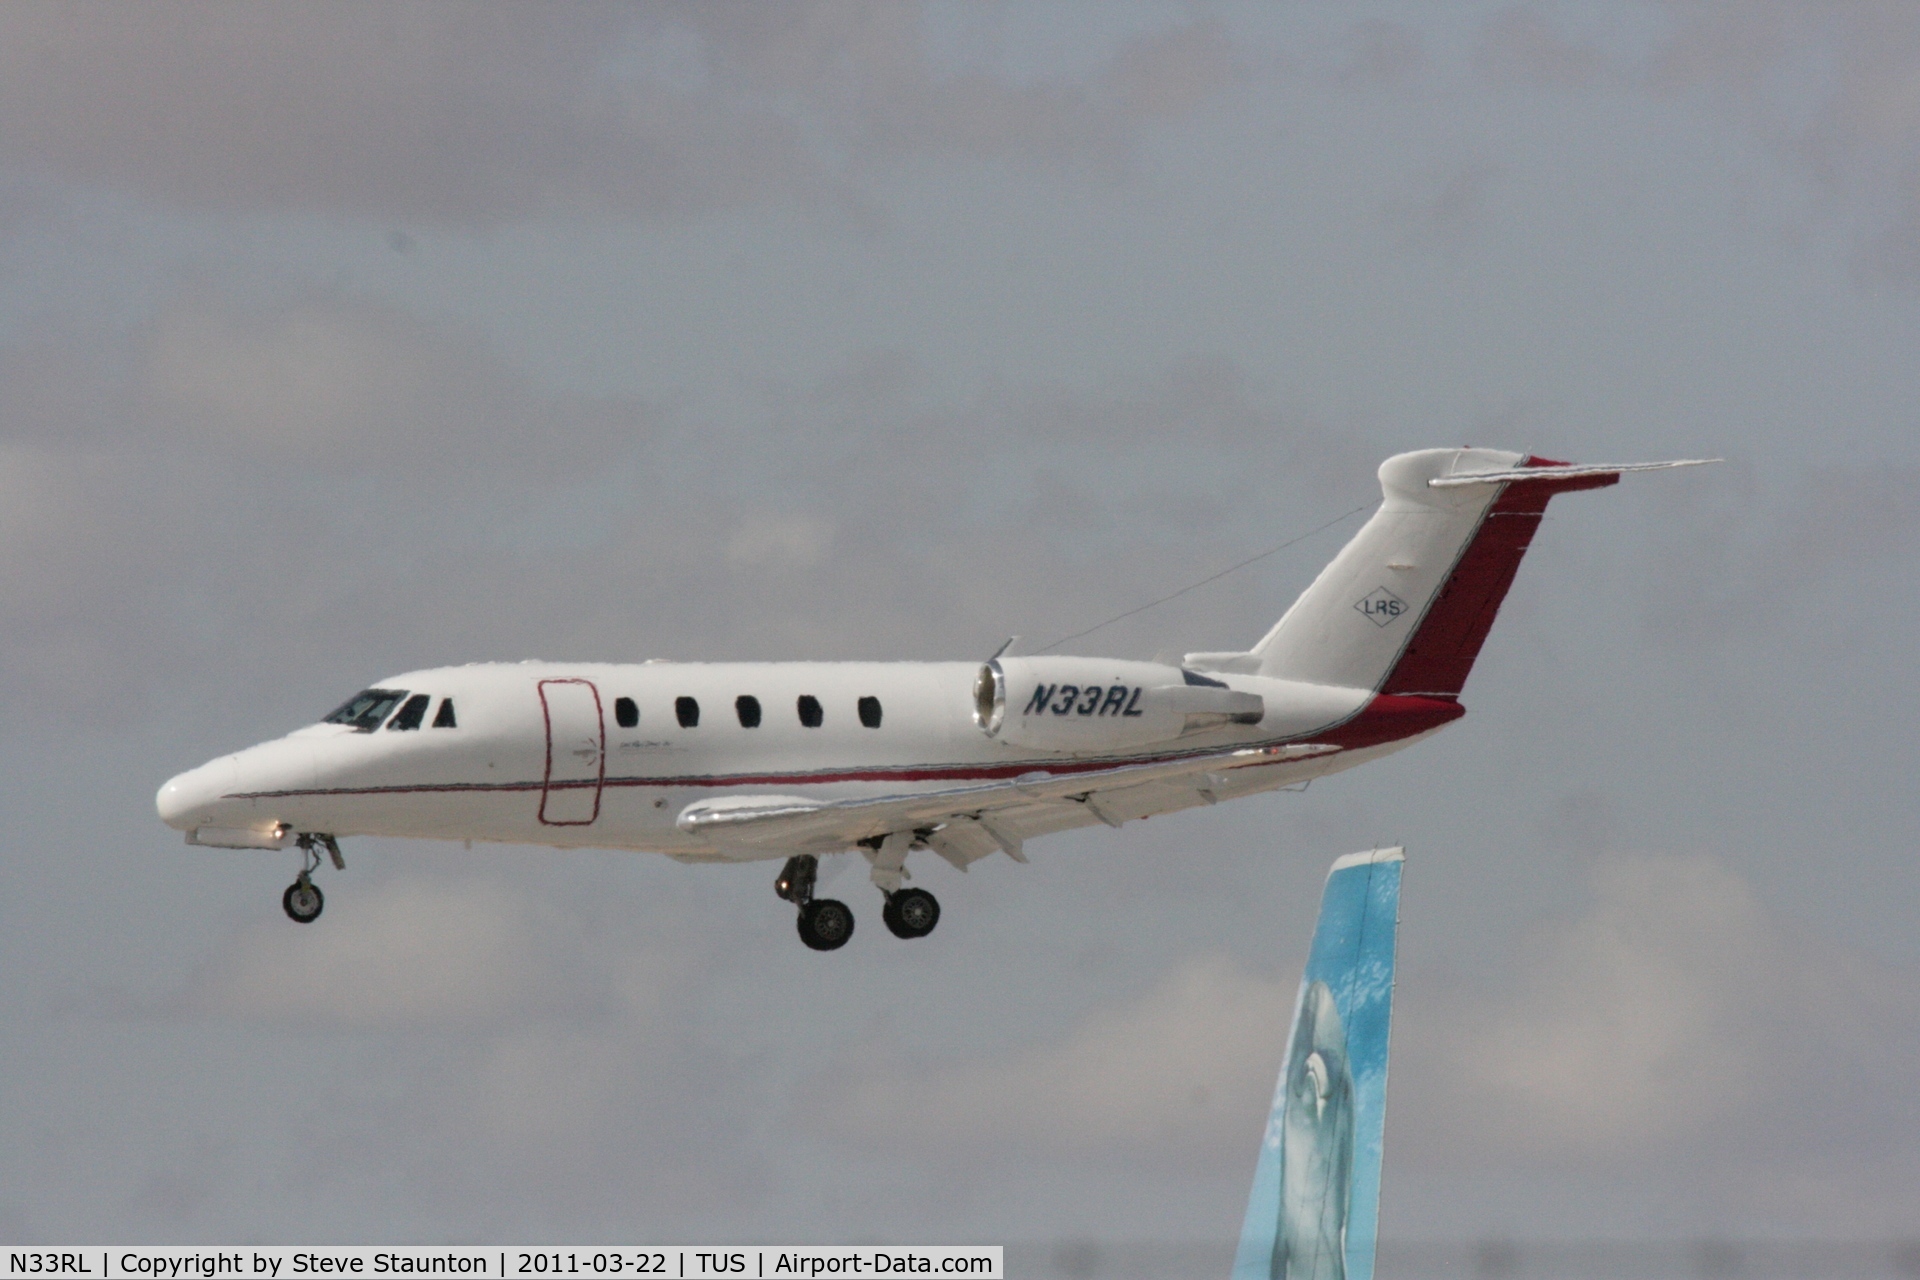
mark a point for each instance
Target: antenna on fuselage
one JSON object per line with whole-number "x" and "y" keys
{"x": 1195, "y": 586}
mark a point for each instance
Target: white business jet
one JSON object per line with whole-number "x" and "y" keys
{"x": 730, "y": 762}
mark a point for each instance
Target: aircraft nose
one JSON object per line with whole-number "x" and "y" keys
{"x": 187, "y": 800}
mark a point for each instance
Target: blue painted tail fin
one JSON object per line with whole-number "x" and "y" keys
{"x": 1315, "y": 1207}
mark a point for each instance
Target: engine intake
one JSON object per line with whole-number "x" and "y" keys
{"x": 1100, "y": 704}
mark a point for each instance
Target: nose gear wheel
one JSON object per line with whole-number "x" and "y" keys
{"x": 303, "y": 900}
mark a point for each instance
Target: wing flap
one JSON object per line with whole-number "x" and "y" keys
{"x": 963, "y": 842}
{"x": 793, "y": 822}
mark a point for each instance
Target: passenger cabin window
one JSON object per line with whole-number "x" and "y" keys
{"x": 443, "y": 718}
{"x": 412, "y": 712}
{"x": 809, "y": 707}
{"x": 625, "y": 713}
{"x": 870, "y": 712}
{"x": 747, "y": 707}
{"x": 364, "y": 711}
{"x": 687, "y": 711}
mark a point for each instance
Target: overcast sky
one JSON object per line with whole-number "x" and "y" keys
{"x": 341, "y": 340}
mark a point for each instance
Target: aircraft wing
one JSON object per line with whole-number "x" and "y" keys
{"x": 964, "y": 817}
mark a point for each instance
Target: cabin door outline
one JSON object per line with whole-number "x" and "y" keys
{"x": 576, "y": 753}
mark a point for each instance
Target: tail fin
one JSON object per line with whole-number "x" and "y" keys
{"x": 1315, "y": 1205}
{"x": 1406, "y": 605}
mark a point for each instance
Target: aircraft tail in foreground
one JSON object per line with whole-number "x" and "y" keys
{"x": 1314, "y": 1210}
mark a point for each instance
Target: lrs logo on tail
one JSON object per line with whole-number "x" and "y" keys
{"x": 1314, "y": 1211}
{"x": 1381, "y": 606}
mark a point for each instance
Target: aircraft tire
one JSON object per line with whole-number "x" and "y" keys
{"x": 826, "y": 924}
{"x": 911, "y": 913}
{"x": 303, "y": 901}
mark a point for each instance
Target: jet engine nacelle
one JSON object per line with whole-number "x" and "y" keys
{"x": 1101, "y": 704}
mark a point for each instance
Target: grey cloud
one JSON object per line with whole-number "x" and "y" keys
{"x": 344, "y": 385}
{"x": 866, "y": 68}
{"x": 1442, "y": 211}
{"x": 1674, "y": 1009}
{"x": 311, "y": 450}
{"x": 321, "y": 381}
{"x": 464, "y": 117}
{"x": 1725, "y": 564}
{"x": 183, "y": 1188}
{"x": 1829, "y": 88}
{"x": 380, "y": 109}
{"x": 1519, "y": 46}
{"x": 226, "y": 504}
{"x": 588, "y": 1126}
{"x": 1171, "y": 1074}
{"x": 277, "y": 478}
{"x": 1383, "y": 53}
{"x": 781, "y": 542}
{"x": 564, "y": 1046}
{"x": 68, "y": 524}
{"x": 1736, "y": 48}
{"x": 422, "y": 953}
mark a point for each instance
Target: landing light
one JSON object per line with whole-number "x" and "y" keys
{"x": 273, "y": 837}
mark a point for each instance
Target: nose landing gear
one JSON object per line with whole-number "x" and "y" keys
{"x": 825, "y": 924}
{"x": 303, "y": 900}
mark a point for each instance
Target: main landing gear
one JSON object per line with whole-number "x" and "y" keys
{"x": 825, "y": 923}
{"x": 303, "y": 900}
{"x": 911, "y": 913}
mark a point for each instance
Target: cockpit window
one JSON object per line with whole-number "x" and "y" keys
{"x": 412, "y": 712}
{"x": 443, "y": 718}
{"x": 365, "y": 711}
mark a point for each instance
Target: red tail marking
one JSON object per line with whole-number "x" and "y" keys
{"x": 1448, "y": 639}
{"x": 1389, "y": 718}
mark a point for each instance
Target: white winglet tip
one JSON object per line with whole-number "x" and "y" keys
{"x": 1397, "y": 853}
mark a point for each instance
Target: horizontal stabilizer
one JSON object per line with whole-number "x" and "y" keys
{"x": 1571, "y": 472}
{"x": 1406, "y": 605}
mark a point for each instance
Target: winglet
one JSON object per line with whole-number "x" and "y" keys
{"x": 1314, "y": 1211}
{"x": 1562, "y": 471}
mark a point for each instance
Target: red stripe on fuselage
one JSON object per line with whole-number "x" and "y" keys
{"x": 1447, "y": 639}
{"x": 1384, "y": 719}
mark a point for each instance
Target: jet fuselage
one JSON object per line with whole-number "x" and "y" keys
{"x": 609, "y": 755}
